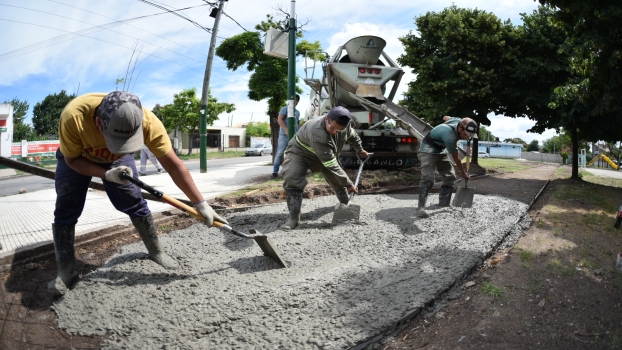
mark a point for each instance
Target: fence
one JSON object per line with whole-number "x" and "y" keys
{"x": 542, "y": 157}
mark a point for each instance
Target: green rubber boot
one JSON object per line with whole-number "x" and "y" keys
{"x": 294, "y": 205}
{"x": 149, "y": 234}
{"x": 65, "y": 259}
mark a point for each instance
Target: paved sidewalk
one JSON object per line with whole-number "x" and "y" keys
{"x": 26, "y": 219}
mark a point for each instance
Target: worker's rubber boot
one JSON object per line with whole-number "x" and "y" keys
{"x": 444, "y": 196}
{"x": 294, "y": 205}
{"x": 342, "y": 196}
{"x": 65, "y": 259}
{"x": 423, "y": 199}
{"x": 149, "y": 234}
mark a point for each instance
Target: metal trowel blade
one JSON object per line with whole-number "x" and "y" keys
{"x": 464, "y": 197}
{"x": 346, "y": 212}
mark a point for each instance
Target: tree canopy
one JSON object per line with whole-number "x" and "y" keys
{"x": 457, "y": 55}
{"x": 21, "y": 130}
{"x": 594, "y": 42}
{"x": 46, "y": 113}
{"x": 259, "y": 129}
{"x": 184, "y": 113}
{"x": 534, "y": 145}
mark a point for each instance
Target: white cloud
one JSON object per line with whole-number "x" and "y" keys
{"x": 95, "y": 62}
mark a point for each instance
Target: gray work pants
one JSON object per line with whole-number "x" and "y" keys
{"x": 295, "y": 167}
{"x": 439, "y": 162}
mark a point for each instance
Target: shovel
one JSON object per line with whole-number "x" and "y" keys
{"x": 464, "y": 196}
{"x": 264, "y": 242}
{"x": 347, "y": 212}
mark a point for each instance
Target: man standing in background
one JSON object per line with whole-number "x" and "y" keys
{"x": 283, "y": 137}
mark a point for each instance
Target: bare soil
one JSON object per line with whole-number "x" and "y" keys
{"x": 557, "y": 288}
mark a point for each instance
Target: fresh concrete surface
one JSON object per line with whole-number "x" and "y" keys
{"x": 346, "y": 284}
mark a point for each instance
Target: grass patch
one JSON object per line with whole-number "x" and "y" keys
{"x": 166, "y": 228}
{"x": 491, "y": 290}
{"x": 212, "y": 155}
{"x": 569, "y": 271}
{"x": 587, "y": 193}
{"x": 604, "y": 181}
{"x": 591, "y": 219}
{"x": 526, "y": 256}
{"x": 270, "y": 186}
{"x": 556, "y": 264}
{"x": 503, "y": 165}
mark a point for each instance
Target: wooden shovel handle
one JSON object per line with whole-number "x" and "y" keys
{"x": 187, "y": 209}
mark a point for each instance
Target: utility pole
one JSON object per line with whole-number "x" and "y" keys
{"x": 205, "y": 93}
{"x": 291, "y": 73}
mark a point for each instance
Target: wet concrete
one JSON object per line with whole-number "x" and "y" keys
{"x": 346, "y": 284}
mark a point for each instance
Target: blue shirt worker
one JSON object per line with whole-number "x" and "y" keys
{"x": 283, "y": 137}
{"x": 317, "y": 146}
{"x": 434, "y": 154}
{"x": 98, "y": 133}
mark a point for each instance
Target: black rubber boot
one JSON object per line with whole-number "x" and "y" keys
{"x": 444, "y": 196}
{"x": 423, "y": 199}
{"x": 294, "y": 205}
{"x": 65, "y": 259}
{"x": 149, "y": 234}
{"x": 343, "y": 196}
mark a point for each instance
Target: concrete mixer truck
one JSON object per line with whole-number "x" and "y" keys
{"x": 357, "y": 77}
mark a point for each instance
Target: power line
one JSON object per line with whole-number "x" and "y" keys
{"x": 236, "y": 22}
{"x": 98, "y": 14}
{"x": 104, "y": 27}
{"x": 71, "y": 35}
{"x": 176, "y": 14}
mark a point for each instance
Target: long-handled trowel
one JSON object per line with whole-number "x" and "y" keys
{"x": 350, "y": 212}
{"x": 464, "y": 195}
{"x": 264, "y": 242}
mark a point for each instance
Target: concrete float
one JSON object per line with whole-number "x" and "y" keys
{"x": 347, "y": 286}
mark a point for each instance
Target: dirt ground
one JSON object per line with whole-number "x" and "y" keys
{"x": 557, "y": 288}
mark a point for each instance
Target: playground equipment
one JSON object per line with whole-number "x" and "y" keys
{"x": 605, "y": 158}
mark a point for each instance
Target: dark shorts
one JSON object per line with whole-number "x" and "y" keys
{"x": 72, "y": 187}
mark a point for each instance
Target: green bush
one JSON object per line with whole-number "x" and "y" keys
{"x": 564, "y": 157}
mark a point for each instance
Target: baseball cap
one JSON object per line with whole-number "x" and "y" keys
{"x": 340, "y": 114}
{"x": 470, "y": 126}
{"x": 121, "y": 115}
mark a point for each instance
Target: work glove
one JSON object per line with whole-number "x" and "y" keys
{"x": 114, "y": 174}
{"x": 208, "y": 213}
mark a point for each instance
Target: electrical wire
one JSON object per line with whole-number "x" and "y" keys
{"x": 98, "y": 14}
{"x": 85, "y": 32}
{"x": 236, "y": 22}
{"x": 67, "y": 37}
{"x": 176, "y": 14}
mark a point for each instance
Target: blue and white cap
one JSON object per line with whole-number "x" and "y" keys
{"x": 121, "y": 115}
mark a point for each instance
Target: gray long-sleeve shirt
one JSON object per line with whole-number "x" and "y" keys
{"x": 312, "y": 140}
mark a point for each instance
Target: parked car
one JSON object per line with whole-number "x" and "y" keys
{"x": 483, "y": 154}
{"x": 259, "y": 150}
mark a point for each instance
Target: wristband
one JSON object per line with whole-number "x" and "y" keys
{"x": 197, "y": 203}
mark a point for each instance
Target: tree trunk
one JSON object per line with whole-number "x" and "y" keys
{"x": 474, "y": 152}
{"x": 190, "y": 139}
{"x": 274, "y": 129}
{"x": 575, "y": 153}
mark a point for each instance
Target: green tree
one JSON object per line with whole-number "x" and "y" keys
{"x": 260, "y": 129}
{"x": 46, "y": 113}
{"x": 268, "y": 79}
{"x": 184, "y": 112}
{"x": 534, "y": 145}
{"x": 594, "y": 43}
{"x": 457, "y": 56}
{"x": 21, "y": 130}
{"x": 485, "y": 134}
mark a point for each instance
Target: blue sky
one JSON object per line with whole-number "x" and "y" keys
{"x": 51, "y": 45}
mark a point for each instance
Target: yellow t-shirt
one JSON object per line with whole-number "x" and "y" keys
{"x": 79, "y": 135}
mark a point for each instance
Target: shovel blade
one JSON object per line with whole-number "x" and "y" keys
{"x": 346, "y": 212}
{"x": 268, "y": 247}
{"x": 464, "y": 197}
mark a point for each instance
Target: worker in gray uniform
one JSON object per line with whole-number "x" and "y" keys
{"x": 317, "y": 146}
{"x": 434, "y": 152}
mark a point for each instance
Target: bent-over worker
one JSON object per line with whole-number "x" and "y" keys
{"x": 317, "y": 146}
{"x": 98, "y": 134}
{"x": 434, "y": 153}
